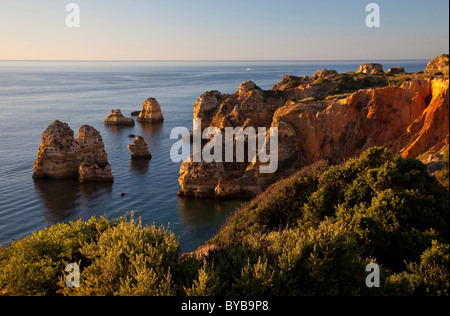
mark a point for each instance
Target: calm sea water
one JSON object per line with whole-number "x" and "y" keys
{"x": 34, "y": 94}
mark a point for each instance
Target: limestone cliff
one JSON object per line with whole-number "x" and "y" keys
{"x": 61, "y": 156}
{"x": 330, "y": 116}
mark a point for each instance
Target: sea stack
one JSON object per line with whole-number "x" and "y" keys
{"x": 61, "y": 156}
{"x": 139, "y": 149}
{"x": 94, "y": 165}
{"x": 117, "y": 118}
{"x": 151, "y": 112}
{"x": 58, "y": 153}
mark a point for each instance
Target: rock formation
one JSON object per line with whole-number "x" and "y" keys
{"x": 139, "y": 149}
{"x": 92, "y": 155}
{"x": 94, "y": 173}
{"x": 151, "y": 112}
{"x": 117, "y": 118}
{"x": 395, "y": 71}
{"x": 353, "y": 113}
{"x": 439, "y": 64}
{"x": 61, "y": 156}
{"x": 324, "y": 73}
{"x": 58, "y": 153}
{"x": 371, "y": 69}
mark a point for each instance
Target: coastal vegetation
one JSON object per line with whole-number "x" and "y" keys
{"x": 310, "y": 234}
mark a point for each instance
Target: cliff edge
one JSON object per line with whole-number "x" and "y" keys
{"x": 327, "y": 117}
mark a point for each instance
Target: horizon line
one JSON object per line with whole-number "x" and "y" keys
{"x": 203, "y": 60}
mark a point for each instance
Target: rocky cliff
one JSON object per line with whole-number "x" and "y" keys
{"x": 439, "y": 64}
{"x": 330, "y": 116}
{"x": 61, "y": 156}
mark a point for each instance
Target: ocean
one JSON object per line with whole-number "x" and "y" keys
{"x": 35, "y": 93}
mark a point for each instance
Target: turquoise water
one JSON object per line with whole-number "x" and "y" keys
{"x": 34, "y": 94}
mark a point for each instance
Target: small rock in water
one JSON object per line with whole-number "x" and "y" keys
{"x": 116, "y": 118}
{"x": 139, "y": 149}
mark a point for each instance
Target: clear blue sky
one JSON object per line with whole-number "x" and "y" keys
{"x": 223, "y": 30}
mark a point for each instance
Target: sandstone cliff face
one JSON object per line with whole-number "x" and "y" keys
{"x": 151, "y": 112}
{"x": 139, "y": 149}
{"x": 411, "y": 120}
{"x": 58, "y": 153}
{"x": 117, "y": 118}
{"x": 94, "y": 165}
{"x": 61, "y": 156}
{"x": 439, "y": 64}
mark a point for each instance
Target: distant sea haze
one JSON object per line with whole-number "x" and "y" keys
{"x": 34, "y": 94}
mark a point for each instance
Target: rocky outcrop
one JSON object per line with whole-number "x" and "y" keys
{"x": 117, "y": 118}
{"x": 412, "y": 121}
{"x": 57, "y": 156}
{"x": 151, "y": 112}
{"x": 94, "y": 173}
{"x": 206, "y": 106}
{"x": 395, "y": 71}
{"x": 324, "y": 74}
{"x": 139, "y": 149}
{"x": 61, "y": 156}
{"x": 94, "y": 165}
{"x": 371, "y": 69}
{"x": 439, "y": 65}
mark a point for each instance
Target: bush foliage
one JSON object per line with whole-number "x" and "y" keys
{"x": 311, "y": 234}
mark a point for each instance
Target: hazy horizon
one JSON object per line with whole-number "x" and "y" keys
{"x": 212, "y": 30}
{"x": 211, "y": 60}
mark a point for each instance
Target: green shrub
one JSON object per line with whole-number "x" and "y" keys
{"x": 430, "y": 277}
{"x": 32, "y": 266}
{"x": 128, "y": 260}
{"x": 293, "y": 84}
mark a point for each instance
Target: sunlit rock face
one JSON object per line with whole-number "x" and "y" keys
{"x": 139, "y": 149}
{"x": 371, "y": 69}
{"x": 61, "y": 156}
{"x": 412, "y": 120}
{"x": 151, "y": 112}
{"x": 439, "y": 64}
{"x": 117, "y": 118}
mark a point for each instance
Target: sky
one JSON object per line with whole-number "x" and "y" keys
{"x": 223, "y": 30}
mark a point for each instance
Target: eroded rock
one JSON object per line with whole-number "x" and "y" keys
{"x": 371, "y": 69}
{"x": 117, "y": 118}
{"x": 139, "y": 149}
{"x": 61, "y": 156}
{"x": 151, "y": 112}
